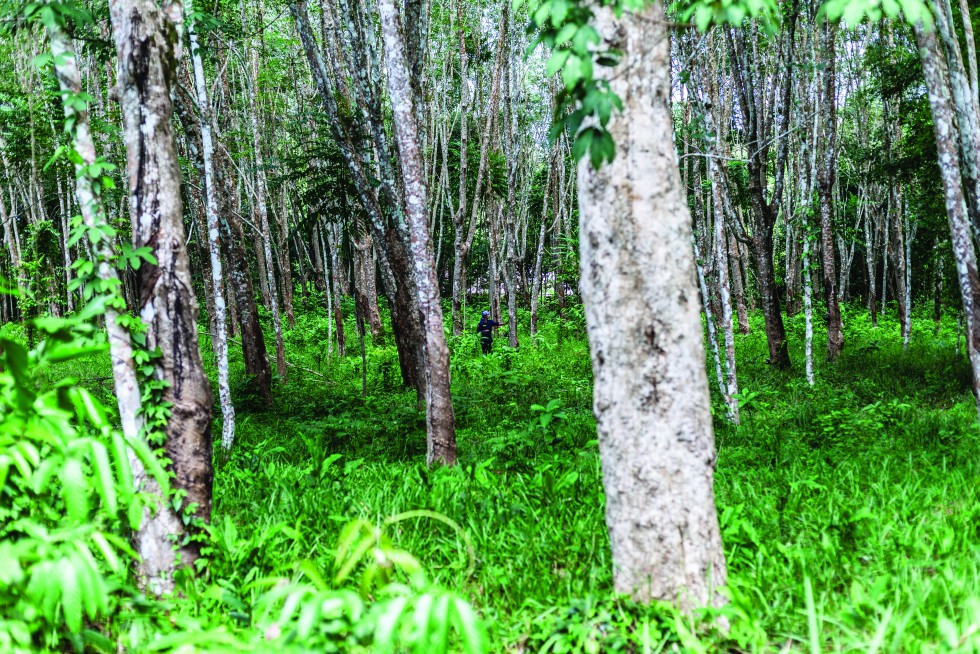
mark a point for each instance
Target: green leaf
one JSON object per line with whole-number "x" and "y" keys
{"x": 71, "y": 600}
{"x": 470, "y": 629}
{"x": 567, "y": 31}
{"x": 583, "y": 142}
{"x": 854, "y": 12}
{"x": 556, "y": 61}
{"x": 571, "y": 74}
{"x": 391, "y": 613}
{"x": 422, "y": 620}
{"x": 74, "y": 491}
{"x": 103, "y": 473}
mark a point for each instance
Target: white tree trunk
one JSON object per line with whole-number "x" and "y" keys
{"x": 709, "y": 321}
{"x": 440, "y": 421}
{"x": 651, "y": 391}
{"x": 214, "y": 245}
{"x": 102, "y": 247}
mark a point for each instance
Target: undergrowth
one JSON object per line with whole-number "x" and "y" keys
{"x": 850, "y": 511}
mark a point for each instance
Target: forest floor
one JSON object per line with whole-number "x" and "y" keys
{"x": 850, "y": 511}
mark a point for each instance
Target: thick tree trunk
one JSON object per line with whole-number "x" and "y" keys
{"x": 440, "y": 422}
{"x": 146, "y": 40}
{"x": 651, "y": 391}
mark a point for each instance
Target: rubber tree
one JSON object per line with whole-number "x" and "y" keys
{"x": 651, "y": 398}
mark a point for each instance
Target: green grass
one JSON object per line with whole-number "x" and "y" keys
{"x": 864, "y": 488}
{"x": 850, "y": 511}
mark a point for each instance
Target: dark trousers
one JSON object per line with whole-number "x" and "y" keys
{"x": 485, "y": 343}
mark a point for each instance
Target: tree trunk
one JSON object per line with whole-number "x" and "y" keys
{"x": 240, "y": 284}
{"x": 261, "y": 211}
{"x": 333, "y": 246}
{"x": 220, "y": 338}
{"x": 651, "y": 391}
{"x": 964, "y": 252}
{"x": 724, "y": 294}
{"x": 146, "y": 40}
{"x": 826, "y": 178}
{"x": 440, "y": 422}
{"x": 155, "y": 562}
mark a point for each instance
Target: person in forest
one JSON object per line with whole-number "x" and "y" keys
{"x": 485, "y": 330}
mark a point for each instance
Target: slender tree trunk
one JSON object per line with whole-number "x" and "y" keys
{"x": 826, "y": 178}
{"x": 338, "y": 312}
{"x": 539, "y": 254}
{"x": 964, "y": 252}
{"x": 262, "y": 213}
{"x": 896, "y": 252}
{"x": 440, "y": 422}
{"x": 651, "y": 391}
{"x": 724, "y": 293}
{"x": 146, "y": 39}
{"x": 869, "y": 257}
{"x": 220, "y": 339}
{"x": 709, "y": 321}
{"x": 240, "y": 284}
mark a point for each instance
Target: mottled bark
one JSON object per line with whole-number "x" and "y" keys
{"x": 724, "y": 294}
{"x": 146, "y": 38}
{"x": 896, "y": 253}
{"x": 964, "y": 252}
{"x": 651, "y": 391}
{"x": 100, "y": 242}
{"x": 397, "y": 275}
{"x": 826, "y": 178}
{"x": 749, "y": 91}
{"x": 220, "y": 337}
{"x": 463, "y": 240}
{"x": 365, "y": 284}
{"x": 440, "y": 421}
{"x": 539, "y": 254}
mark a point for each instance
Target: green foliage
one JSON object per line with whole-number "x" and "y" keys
{"x": 727, "y": 12}
{"x": 854, "y": 12}
{"x": 66, "y": 493}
